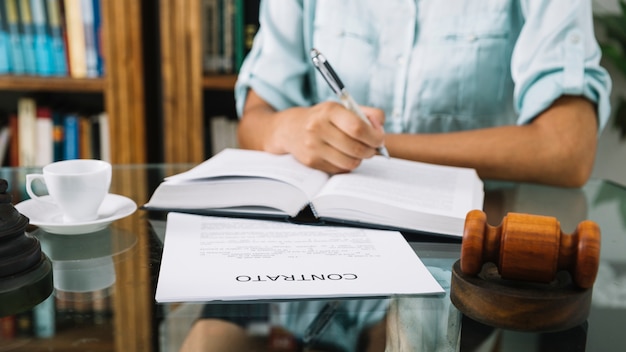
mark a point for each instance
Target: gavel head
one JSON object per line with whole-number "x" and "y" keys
{"x": 531, "y": 248}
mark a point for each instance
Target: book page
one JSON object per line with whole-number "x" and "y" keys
{"x": 213, "y": 258}
{"x": 251, "y": 163}
{"x": 409, "y": 185}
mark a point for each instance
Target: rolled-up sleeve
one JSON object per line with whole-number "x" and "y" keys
{"x": 557, "y": 54}
{"x": 276, "y": 67}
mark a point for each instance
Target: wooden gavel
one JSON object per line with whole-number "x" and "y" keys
{"x": 531, "y": 248}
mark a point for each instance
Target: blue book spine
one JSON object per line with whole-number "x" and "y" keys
{"x": 27, "y": 34}
{"x": 97, "y": 25}
{"x": 5, "y": 48}
{"x": 43, "y": 54}
{"x": 57, "y": 45}
{"x": 70, "y": 145}
{"x": 15, "y": 40}
{"x": 44, "y": 317}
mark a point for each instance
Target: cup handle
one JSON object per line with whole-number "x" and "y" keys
{"x": 29, "y": 182}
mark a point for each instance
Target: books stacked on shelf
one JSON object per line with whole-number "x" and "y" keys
{"x": 38, "y": 135}
{"x": 73, "y": 308}
{"x": 223, "y": 133}
{"x": 35, "y": 322}
{"x": 228, "y": 30}
{"x": 51, "y": 38}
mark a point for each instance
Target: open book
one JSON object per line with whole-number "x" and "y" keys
{"x": 381, "y": 193}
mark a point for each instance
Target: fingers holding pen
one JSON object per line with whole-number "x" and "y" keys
{"x": 348, "y": 133}
{"x": 326, "y": 136}
{"x": 375, "y": 116}
{"x": 326, "y": 146}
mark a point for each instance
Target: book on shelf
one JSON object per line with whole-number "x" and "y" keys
{"x": 54, "y": 135}
{"x": 90, "y": 142}
{"x": 71, "y": 145}
{"x": 97, "y": 25}
{"x": 27, "y": 131}
{"x": 91, "y": 50}
{"x": 57, "y": 42}
{"x": 247, "y": 24}
{"x": 83, "y": 136}
{"x": 94, "y": 140}
{"x": 42, "y": 39}
{"x": 8, "y": 327}
{"x": 15, "y": 39}
{"x": 380, "y": 193}
{"x": 228, "y": 29}
{"x": 5, "y": 48}
{"x": 44, "y": 318}
{"x": 72, "y": 308}
{"x": 58, "y": 135}
{"x": 27, "y": 36}
{"x": 38, "y": 321}
{"x": 105, "y": 136}
{"x": 24, "y": 323}
{"x": 14, "y": 143}
{"x": 45, "y": 137}
{"x": 5, "y": 142}
{"x": 75, "y": 32}
{"x": 223, "y": 133}
{"x": 210, "y": 35}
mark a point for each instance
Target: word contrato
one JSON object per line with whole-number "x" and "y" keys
{"x": 295, "y": 278}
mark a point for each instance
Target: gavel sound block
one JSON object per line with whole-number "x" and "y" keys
{"x": 525, "y": 274}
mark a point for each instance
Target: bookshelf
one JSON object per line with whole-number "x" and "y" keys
{"x": 121, "y": 87}
{"x": 219, "y": 82}
{"x": 51, "y": 84}
{"x": 187, "y": 92}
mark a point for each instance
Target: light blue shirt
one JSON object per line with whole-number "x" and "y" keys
{"x": 431, "y": 65}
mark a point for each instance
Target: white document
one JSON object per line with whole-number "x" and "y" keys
{"x": 214, "y": 258}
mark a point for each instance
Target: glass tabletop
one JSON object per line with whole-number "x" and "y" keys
{"x": 104, "y": 285}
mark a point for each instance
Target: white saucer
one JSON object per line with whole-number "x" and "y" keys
{"x": 48, "y": 216}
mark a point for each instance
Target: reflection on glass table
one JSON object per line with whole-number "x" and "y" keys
{"x": 83, "y": 264}
{"x": 433, "y": 324}
{"x": 134, "y": 322}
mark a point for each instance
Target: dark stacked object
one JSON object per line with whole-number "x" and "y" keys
{"x": 25, "y": 271}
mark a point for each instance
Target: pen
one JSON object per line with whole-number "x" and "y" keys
{"x": 323, "y": 66}
{"x": 317, "y": 326}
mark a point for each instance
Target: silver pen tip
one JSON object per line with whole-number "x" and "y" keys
{"x": 383, "y": 151}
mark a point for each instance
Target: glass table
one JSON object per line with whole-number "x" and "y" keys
{"x": 105, "y": 282}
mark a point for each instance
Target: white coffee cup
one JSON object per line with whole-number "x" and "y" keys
{"x": 76, "y": 186}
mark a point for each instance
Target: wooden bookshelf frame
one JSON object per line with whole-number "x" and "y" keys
{"x": 51, "y": 84}
{"x": 124, "y": 102}
{"x": 219, "y": 82}
{"x": 124, "y": 83}
{"x": 182, "y": 80}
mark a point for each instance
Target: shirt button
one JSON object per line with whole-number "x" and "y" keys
{"x": 575, "y": 38}
{"x": 471, "y": 38}
{"x": 400, "y": 60}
